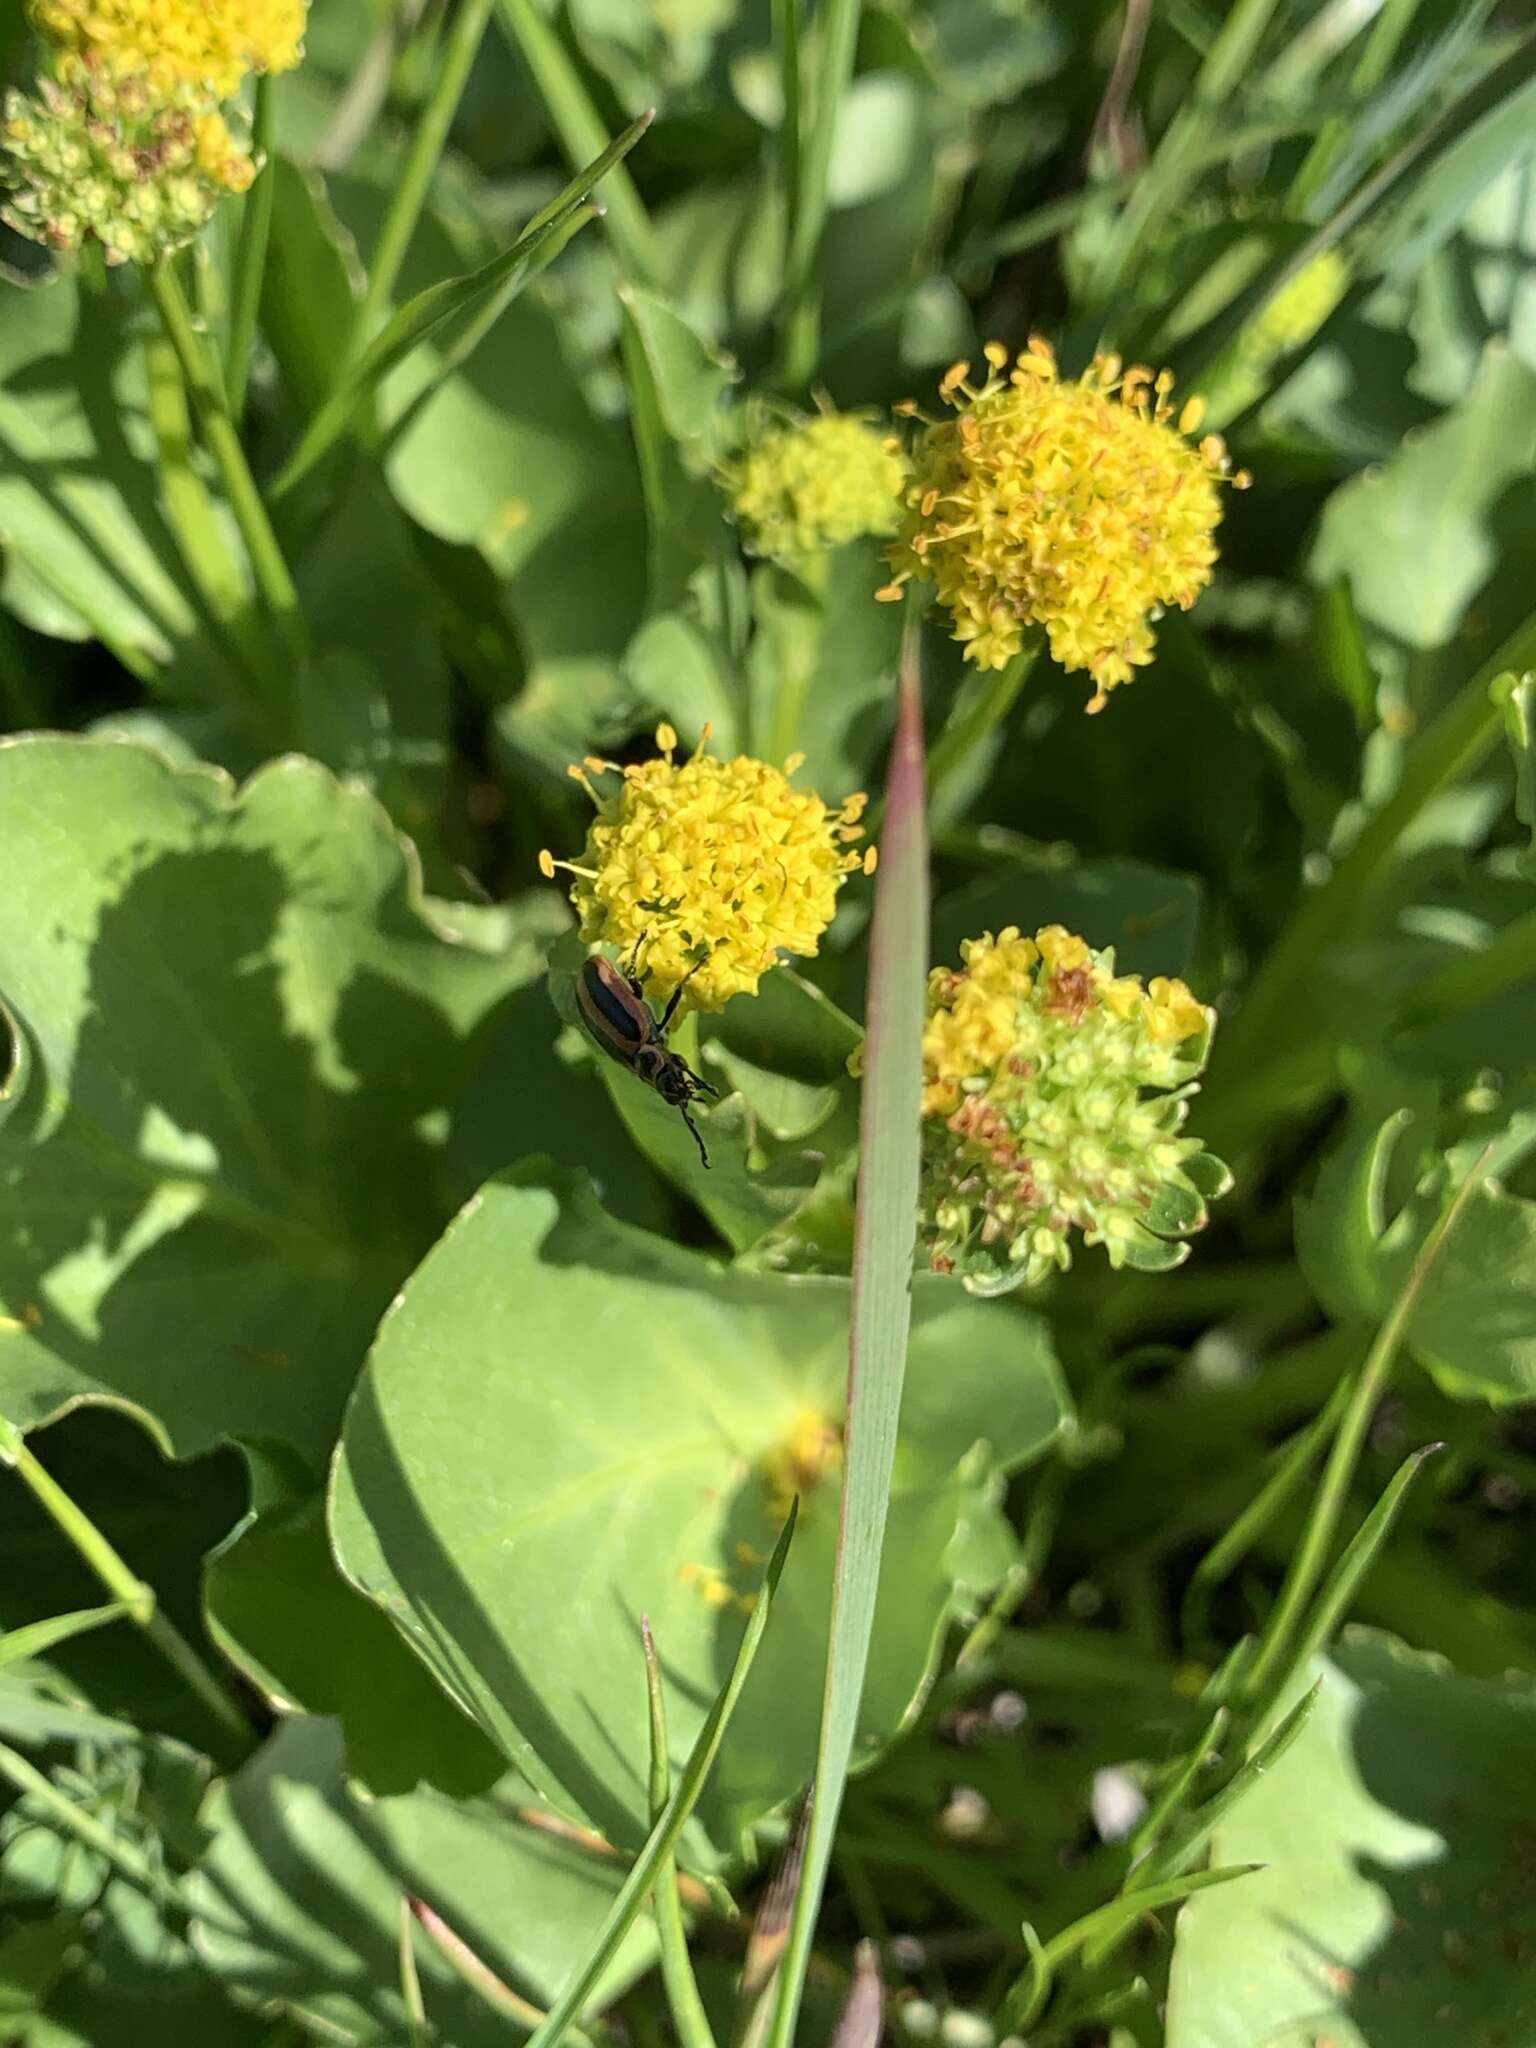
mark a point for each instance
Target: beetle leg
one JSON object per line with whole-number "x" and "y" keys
{"x": 688, "y": 1120}
{"x": 630, "y": 974}
{"x": 672, "y": 1000}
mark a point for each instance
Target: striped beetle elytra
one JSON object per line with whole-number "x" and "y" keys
{"x": 614, "y": 1009}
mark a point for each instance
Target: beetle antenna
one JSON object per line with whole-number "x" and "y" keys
{"x": 630, "y": 972}
{"x": 688, "y": 1120}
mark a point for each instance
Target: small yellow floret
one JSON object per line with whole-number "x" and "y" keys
{"x": 817, "y": 484}
{"x": 1079, "y": 508}
{"x": 708, "y": 870}
{"x": 794, "y": 1468}
{"x": 210, "y": 44}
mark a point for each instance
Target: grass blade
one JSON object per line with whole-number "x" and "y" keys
{"x": 1174, "y": 1854}
{"x": 884, "y": 1230}
{"x": 688, "y": 2015}
{"x": 450, "y": 298}
{"x": 36, "y": 1638}
{"x": 662, "y": 1839}
{"x": 580, "y": 128}
{"x": 1105, "y": 1924}
{"x": 472, "y": 1970}
{"x": 410, "y": 1979}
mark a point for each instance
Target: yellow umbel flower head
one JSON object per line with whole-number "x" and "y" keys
{"x": 817, "y": 483}
{"x": 708, "y": 870}
{"x": 1054, "y": 1091}
{"x": 123, "y": 162}
{"x": 210, "y": 44}
{"x": 1082, "y": 508}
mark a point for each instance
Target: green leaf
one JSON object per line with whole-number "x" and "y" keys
{"x": 1394, "y": 1906}
{"x": 452, "y": 298}
{"x": 37, "y": 1638}
{"x": 244, "y": 1033}
{"x": 282, "y": 1613}
{"x": 1150, "y": 915}
{"x": 1419, "y": 537}
{"x": 1475, "y": 1323}
{"x": 540, "y": 1359}
{"x": 310, "y": 285}
{"x": 655, "y": 1857}
{"x": 1520, "y": 724}
{"x": 821, "y": 667}
{"x": 689, "y": 375}
{"x": 87, "y": 551}
{"x": 296, "y": 1898}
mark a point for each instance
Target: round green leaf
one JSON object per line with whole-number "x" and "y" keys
{"x": 563, "y": 1426}
{"x": 245, "y": 1040}
{"x": 1397, "y": 1905}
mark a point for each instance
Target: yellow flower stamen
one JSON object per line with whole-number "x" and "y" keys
{"x": 816, "y": 484}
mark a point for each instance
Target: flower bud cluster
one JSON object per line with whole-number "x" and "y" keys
{"x": 134, "y": 168}
{"x": 1054, "y": 1096}
{"x": 816, "y": 484}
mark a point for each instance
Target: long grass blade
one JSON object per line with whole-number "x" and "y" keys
{"x": 37, "y": 1638}
{"x": 885, "y": 1227}
{"x": 451, "y": 298}
{"x": 662, "y": 1839}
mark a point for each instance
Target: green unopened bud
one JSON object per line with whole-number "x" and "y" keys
{"x": 1054, "y": 1096}
{"x": 137, "y": 170}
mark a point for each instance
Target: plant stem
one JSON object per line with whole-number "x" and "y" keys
{"x": 786, "y": 36}
{"x": 125, "y": 1585}
{"x": 1310, "y": 1557}
{"x": 86, "y": 1828}
{"x": 201, "y": 370}
{"x": 583, "y": 136}
{"x": 978, "y": 715}
{"x": 251, "y": 254}
{"x": 1039, "y": 1533}
{"x": 1454, "y": 744}
{"x": 800, "y": 335}
{"x": 1387, "y": 31}
{"x": 466, "y": 31}
{"x": 687, "y": 2007}
{"x": 1500, "y": 965}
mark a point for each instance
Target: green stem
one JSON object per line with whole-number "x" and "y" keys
{"x": 465, "y": 33}
{"x": 1039, "y": 1533}
{"x": 1502, "y": 964}
{"x": 688, "y": 2015}
{"x": 201, "y": 370}
{"x": 1375, "y": 60}
{"x": 1222, "y": 1559}
{"x": 1226, "y": 64}
{"x": 1310, "y": 1557}
{"x": 125, "y": 1585}
{"x": 1452, "y": 746}
{"x": 86, "y": 1828}
{"x": 251, "y": 254}
{"x": 583, "y": 136}
{"x": 800, "y": 337}
{"x": 976, "y": 715}
{"x": 786, "y": 36}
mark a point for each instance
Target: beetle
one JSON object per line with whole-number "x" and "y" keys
{"x": 614, "y": 1009}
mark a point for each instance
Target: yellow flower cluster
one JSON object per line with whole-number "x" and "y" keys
{"x": 794, "y": 1468}
{"x": 1080, "y": 508}
{"x": 1036, "y": 1121}
{"x": 816, "y": 484}
{"x": 117, "y": 162}
{"x": 708, "y": 870}
{"x": 209, "y": 44}
{"x": 125, "y": 146}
